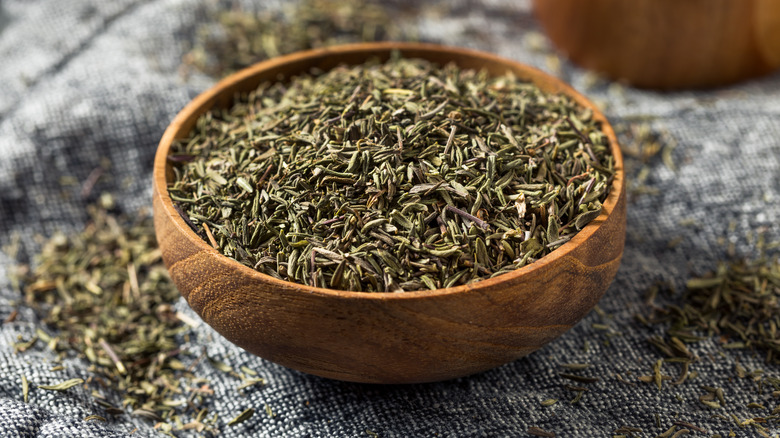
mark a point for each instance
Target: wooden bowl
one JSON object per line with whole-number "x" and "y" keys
{"x": 388, "y": 337}
{"x": 667, "y": 44}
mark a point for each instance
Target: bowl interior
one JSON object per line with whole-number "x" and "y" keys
{"x": 223, "y": 94}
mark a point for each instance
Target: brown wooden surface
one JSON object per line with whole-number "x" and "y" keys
{"x": 667, "y": 44}
{"x": 388, "y": 337}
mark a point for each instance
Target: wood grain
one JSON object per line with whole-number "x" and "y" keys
{"x": 667, "y": 44}
{"x": 388, "y": 337}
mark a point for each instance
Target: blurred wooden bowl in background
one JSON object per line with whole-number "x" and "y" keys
{"x": 667, "y": 44}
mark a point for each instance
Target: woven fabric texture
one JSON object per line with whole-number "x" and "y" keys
{"x": 85, "y": 82}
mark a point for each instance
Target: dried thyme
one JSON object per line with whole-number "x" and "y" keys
{"x": 392, "y": 177}
{"x": 739, "y": 303}
{"x": 237, "y": 38}
{"x": 106, "y": 295}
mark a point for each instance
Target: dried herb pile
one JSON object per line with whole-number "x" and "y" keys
{"x": 739, "y": 303}
{"x": 641, "y": 146}
{"x": 106, "y": 295}
{"x": 392, "y": 177}
{"x": 243, "y": 38}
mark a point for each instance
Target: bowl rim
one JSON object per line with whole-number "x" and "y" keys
{"x": 207, "y": 100}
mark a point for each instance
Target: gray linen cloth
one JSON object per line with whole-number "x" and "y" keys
{"x": 82, "y": 81}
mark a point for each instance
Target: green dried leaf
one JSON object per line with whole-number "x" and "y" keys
{"x": 62, "y": 386}
{"x": 585, "y": 218}
{"x": 240, "y": 418}
{"x": 549, "y": 402}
